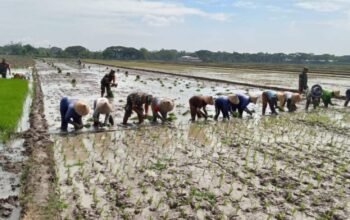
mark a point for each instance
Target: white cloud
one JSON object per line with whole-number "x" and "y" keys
{"x": 245, "y": 4}
{"x": 324, "y": 5}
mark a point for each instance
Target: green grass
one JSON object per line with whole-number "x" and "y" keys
{"x": 12, "y": 95}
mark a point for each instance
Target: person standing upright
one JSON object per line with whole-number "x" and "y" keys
{"x": 4, "y": 67}
{"x": 303, "y": 80}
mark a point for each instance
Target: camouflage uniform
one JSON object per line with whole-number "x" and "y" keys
{"x": 135, "y": 102}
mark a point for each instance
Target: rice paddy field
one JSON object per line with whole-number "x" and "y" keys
{"x": 290, "y": 166}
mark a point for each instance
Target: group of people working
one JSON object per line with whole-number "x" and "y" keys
{"x": 73, "y": 110}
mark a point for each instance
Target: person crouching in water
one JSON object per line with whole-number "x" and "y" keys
{"x": 102, "y": 106}
{"x": 347, "y": 94}
{"x": 135, "y": 102}
{"x": 197, "y": 103}
{"x": 269, "y": 97}
{"x": 327, "y": 96}
{"x": 107, "y": 82}
{"x": 291, "y": 99}
{"x": 242, "y": 106}
{"x": 72, "y": 111}
{"x": 161, "y": 107}
{"x": 313, "y": 96}
{"x": 224, "y": 105}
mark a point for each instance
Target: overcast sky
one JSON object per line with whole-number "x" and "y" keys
{"x": 315, "y": 26}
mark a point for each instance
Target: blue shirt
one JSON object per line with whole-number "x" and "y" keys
{"x": 244, "y": 101}
{"x": 68, "y": 114}
{"x": 223, "y": 104}
{"x": 271, "y": 94}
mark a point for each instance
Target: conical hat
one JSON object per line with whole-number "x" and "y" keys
{"x": 208, "y": 99}
{"x": 81, "y": 108}
{"x": 296, "y": 97}
{"x": 233, "y": 99}
{"x": 280, "y": 97}
{"x": 336, "y": 93}
{"x": 166, "y": 105}
{"x": 253, "y": 98}
{"x": 103, "y": 106}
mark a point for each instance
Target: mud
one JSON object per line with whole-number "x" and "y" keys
{"x": 294, "y": 166}
{"x": 39, "y": 173}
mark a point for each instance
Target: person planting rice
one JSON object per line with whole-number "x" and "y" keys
{"x": 347, "y": 98}
{"x": 102, "y": 106}
{"x": 161, "y": 107}
{"x": 313, "y": 96}
{"x": 269, "y": 97}
{"x": 291, "y": 99}
{"x": 197, "y": 103}
{"x": 244, "y": 101}
{"x": 303, "y": 78}
{"x": 4, "y": 67}
{"x": 72, "y": 111}
{"x": 327, "y": 96}
{"x": 135, "y": 102}
{"x": 107, "y": 82}
{"x": 224, "y": 105}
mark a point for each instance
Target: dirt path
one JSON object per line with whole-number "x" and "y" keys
{"x": 39, "y": 174}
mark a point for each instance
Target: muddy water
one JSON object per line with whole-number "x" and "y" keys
{"x": 12, "y": 156}
{"x": 289, "y": 166}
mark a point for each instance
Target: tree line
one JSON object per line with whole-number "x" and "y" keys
{"x": 129, "y": 53}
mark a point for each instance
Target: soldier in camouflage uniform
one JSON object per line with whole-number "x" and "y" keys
{"x": 135, "y": 102}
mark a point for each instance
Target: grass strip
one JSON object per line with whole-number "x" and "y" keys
{"x": 12, "y": 95}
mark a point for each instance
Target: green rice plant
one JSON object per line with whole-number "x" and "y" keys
{"x": 12, "y": 95}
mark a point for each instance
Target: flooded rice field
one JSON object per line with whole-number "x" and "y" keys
{"x": 291, "y": 166}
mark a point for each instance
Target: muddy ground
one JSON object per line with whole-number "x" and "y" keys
{"x": 294, "y": 166}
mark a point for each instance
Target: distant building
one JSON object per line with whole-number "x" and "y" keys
{"x": 189, "y": 59}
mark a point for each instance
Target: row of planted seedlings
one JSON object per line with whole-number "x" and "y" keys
{"x": 270, "y": 167}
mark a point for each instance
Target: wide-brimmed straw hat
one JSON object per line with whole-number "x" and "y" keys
{"x": 208, "y": 99}
{"x": 336, "y": 93}
{"x": 296, "y": 97}
{"x": 253, "y": 98}
{"x": 81, "y": 108}
{"x": 103, "y": 106}
{"x": 166, "y": 105}
{"x": 316, "y": 90}
{"x": 280, "y": 97}
{"x": 233, "y": 99}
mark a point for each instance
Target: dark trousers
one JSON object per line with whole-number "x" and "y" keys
{"x": 347, "y": 102}
{"x": 271, "y": 101}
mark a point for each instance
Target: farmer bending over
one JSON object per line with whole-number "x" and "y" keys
{"x": 161, "y": 107}
{"x": 4, "y": 67}
{"x": 244, "y": 101}
{"x": 313, "y": 96}
{"x": 327, "y": 96}
{"x": 102, "y": 106}
{"x": 347, "y": 94}
{"x": 135, "y": 102}
{"x": 72, "y": 111}
{"x": 197, "y": 103}
{"x": 107, "y": 82}
{"x": 291, "y": 99}
{"x": 269, "y": 97}
{"x": 224, "y": 105}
